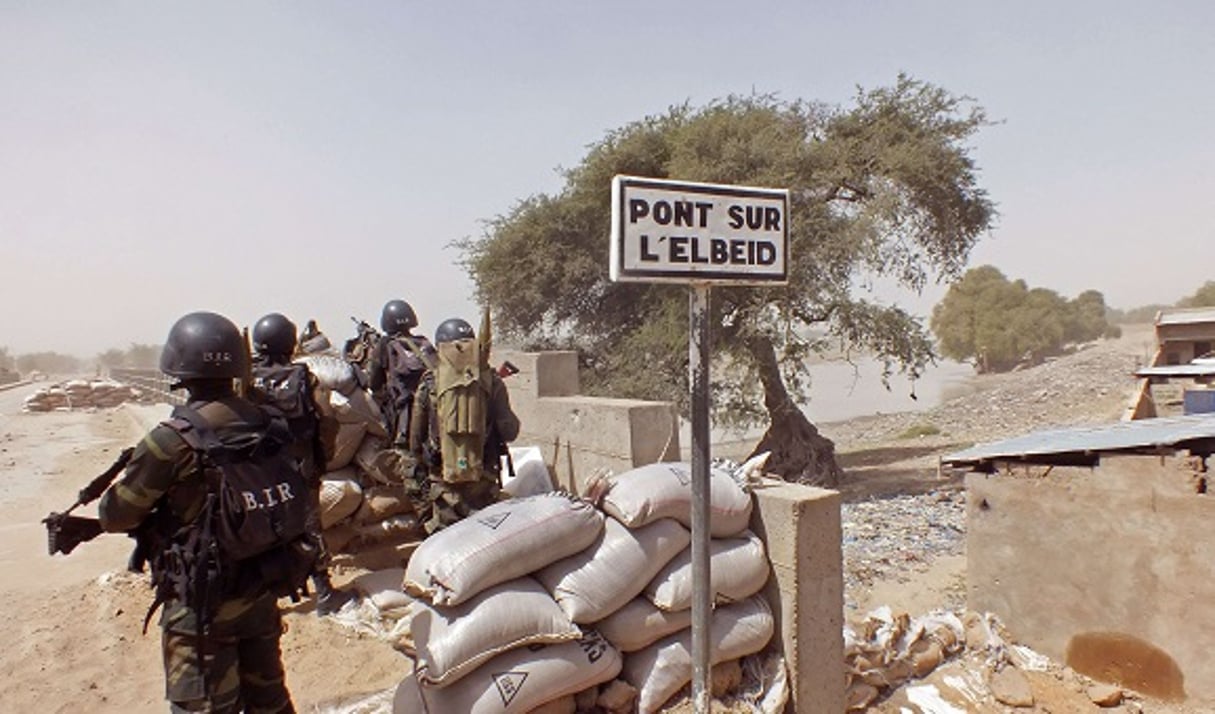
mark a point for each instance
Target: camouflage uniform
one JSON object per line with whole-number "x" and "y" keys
{"x": 235, "y": 664}
{"x": 446, "y": 502}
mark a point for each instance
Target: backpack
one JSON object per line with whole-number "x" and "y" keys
{"x": 285, "y": 388}
{"x": 460, "y": 410}
{"x": 249, "y": 538}
{"x": 407, "y": 362}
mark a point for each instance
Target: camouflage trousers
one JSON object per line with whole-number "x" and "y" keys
{"x": 235, "y": 667}
{"x": 447, "y": 503}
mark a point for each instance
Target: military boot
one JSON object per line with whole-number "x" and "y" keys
{"x": 328, "y": 598}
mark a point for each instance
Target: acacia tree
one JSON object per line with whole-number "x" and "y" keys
{"x": 884, "y": 189}
{"x": 1000, "y": 324}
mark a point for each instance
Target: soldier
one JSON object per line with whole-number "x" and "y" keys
{"x": 290, "y": 388}
{"x": 223, "y": 656}
{"x": 397, "y": 365}
{"x": 462, "y": 421}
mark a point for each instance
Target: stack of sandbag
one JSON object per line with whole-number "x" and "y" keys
{"x": 513, "y": 587}
{"x": 363, "y": 502}
{"x": 81, "y": 394}
{"x": 654, "y": 628}
{"x": 890, "y": 649}
{"x": 487, "y": 635}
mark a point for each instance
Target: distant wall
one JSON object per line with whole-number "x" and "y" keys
{"x": 1110, "y": 569}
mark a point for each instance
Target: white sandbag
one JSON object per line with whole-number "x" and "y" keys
{"x": 664, "y": 490}
{"x": 596, "y": 582}
{"x": 517, "y": 681}
{"x": 663, "y": 668}
{"x": 383, "y": 589}
{"x": 531, "y": 475}
{"x": 345, "y": 445}
{"x": 341, "y": 496}
{"x": 499, "y": 543}
{"x": 358, "y": 408}
{"x": 738, "y": 568}
{"x": 453, "y": 641}
{"x": 639, "y": 624}
{"x": 331, "y": 372}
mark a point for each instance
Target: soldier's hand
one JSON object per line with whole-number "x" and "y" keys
{"x": 64, "y": 533}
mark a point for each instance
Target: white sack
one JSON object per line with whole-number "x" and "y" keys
{"x": 358, "y": 408}
{"x": 499, "y": 543}
{"x": 531, "y": 473}
{"x": 383, "y": 589}
{"x": 346, "y": 445}
{"x": 331, "y": 372}
{"x": 596, "y": 582}
{"x": 517, "y": 681}
{"x": 341, "y": 496}
{"x": 738, "y": 568}
{"x": 453, "y": 641}
{"x": 639, "y": 624}
{"x": 647, "y": 493}
{"x": 662, "y": 669}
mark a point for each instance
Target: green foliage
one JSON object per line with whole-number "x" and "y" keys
{"x": 1203, "y": 297}
{"x": 916, "y": 431}
{"x": 885, "y": 189}
{"x": 999, "y": 323}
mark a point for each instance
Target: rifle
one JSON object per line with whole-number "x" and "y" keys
{"x": 64, "y": 531}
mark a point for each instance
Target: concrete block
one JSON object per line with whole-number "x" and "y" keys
{"x": 581, "y": 436}
{"x": 801, "y": 527}
{"x": 542, "y": 374}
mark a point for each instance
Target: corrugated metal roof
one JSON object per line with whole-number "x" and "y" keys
{"x": 1085, "y": 444}
{"x": 1186, "y": 316}
{"x": 1177, "y": 370}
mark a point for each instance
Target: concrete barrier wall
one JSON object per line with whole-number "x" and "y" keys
{"x": 580, "y": 436}
{"x": 1109, "y": 569}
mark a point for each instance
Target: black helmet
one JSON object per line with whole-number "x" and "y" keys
{"x": 397, "y": 317}
{"x": 452, "y": 330}
{"x": 204, "y": 345}
{"x": 274, "y": 334}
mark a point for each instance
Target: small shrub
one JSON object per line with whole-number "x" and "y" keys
{"x": 917, "y": 431}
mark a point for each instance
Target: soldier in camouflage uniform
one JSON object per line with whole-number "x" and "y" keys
{"x": 456, "y": 490}
{"x": 291, "y": 388}
{"x": 234, "y": 663}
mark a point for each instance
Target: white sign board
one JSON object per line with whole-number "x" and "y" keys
{"x": 683, "y": 232}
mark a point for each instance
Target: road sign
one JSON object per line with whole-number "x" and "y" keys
{"x": 679, "y": 231}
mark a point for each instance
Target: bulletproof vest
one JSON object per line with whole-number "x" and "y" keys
{"x": 407, "y": 362}
{"x": 250, "y": 536}
{"x": 460, "y": 409}
{"x": 285, "y": 388}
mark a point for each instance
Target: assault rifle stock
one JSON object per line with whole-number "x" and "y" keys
{"x": 64, "y": 531}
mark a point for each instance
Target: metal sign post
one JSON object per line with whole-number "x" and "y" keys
{"x": 702, "y": 597}
{"x": 699, "y": 234}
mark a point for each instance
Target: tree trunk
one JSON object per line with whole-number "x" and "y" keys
{"x": 798, "y": 452}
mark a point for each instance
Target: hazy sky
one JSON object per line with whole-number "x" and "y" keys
{"x": 318, "y": 158}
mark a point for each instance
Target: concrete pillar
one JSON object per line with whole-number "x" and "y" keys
{"x": 802, "y": 530}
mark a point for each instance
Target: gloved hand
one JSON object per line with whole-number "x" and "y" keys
{"x": 65, "y": 532}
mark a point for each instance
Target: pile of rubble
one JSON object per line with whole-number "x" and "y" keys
{"x": 81, "y": 394}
